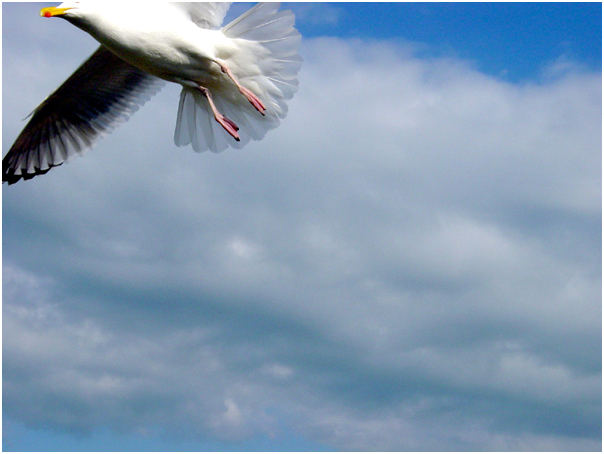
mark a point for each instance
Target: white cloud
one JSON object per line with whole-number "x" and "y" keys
{"x": 410, "y": 261}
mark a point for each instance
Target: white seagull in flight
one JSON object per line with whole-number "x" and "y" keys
{"x": 235, "y": 79}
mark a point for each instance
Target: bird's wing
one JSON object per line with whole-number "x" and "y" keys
{"x": 101, "y": 93}
{"x": 206, "y": 14}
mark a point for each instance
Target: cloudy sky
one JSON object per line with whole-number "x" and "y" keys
{"x": 411, "y": 261}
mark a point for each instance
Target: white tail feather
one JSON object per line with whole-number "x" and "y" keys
{"x": 267, "y": 62}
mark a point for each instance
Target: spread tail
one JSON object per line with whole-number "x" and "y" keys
{"x": 266, "y": 62}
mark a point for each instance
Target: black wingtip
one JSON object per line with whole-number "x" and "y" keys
{"x": 10, "y": 177}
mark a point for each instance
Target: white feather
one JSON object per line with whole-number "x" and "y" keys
{"x": 204, "y": 14}
{"x": 262, "y": 51}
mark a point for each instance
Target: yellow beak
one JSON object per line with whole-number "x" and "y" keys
{"x": 52, "y": 11}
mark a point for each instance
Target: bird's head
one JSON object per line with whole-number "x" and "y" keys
{"x": 80, "y": 14}
{"x": 64, "y": 10}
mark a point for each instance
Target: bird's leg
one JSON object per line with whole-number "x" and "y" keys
{"x": 251, "y": 97}
{"x": 228, "y": 124}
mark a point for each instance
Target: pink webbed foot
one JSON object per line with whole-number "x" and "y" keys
{"x": 228, "y": 125}
{"x": 253, "y": 99}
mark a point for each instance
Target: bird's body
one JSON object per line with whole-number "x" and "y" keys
{"x": 237, "y": 76}
{"x": 161, "y": 41}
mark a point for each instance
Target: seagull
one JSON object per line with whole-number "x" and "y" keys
{"x": 235, "y": 80}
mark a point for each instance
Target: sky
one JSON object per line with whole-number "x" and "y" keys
{"x": 411, "y": 261}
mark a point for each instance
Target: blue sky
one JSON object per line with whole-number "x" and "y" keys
{"x": 504, "y": 39}
{"x": 411, "y": 261}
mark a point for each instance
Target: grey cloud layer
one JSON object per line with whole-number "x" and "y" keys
{"x": 411, "y": 261}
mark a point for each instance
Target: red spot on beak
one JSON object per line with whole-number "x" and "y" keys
{"x": 47, "y": 14}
